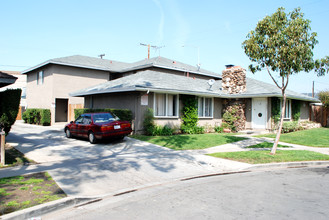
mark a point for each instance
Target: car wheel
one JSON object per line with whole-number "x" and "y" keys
{"x": 91, "y": 137}
{"x": 68, "y": 133}
{"x": 120, "y": 138}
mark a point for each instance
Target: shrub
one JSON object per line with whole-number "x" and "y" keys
{"x": 219, "y": 129}
{"x": 45, "y": 117}
{"x": 166, "y": 131}
{"x": 148, "y": 122}
{"x": 123, "y": 114}
{"x": 190, "y": 115}
{"x": 230, "y": 117}
{"x": 290, "y": 126}
{"x": 37, "y": 116}
{"x": 275, "y": 109}
{"x": 158, "y": 130}
{"x": 9, "y": 107}
{"x": 295, "y": 109}
{"x": 198, "y": 130}
{"x": 324, "y": 98}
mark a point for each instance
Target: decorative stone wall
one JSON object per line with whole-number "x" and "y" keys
{"x": 240, "y": 104}
{"x": 309, "y": 124}
{"x": 234, "y": 80}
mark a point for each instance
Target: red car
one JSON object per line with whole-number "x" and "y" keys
{"x": 95, "y": 126}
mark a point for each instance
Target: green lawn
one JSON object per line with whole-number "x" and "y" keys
{"x": 189, "y": 142}
{"x": 266, "y": 145}
{"x": 317, "y": 137}
{"x": 14, "y": 157}
{"x": 258, "y": 157}
{"x": 20, "y": 192}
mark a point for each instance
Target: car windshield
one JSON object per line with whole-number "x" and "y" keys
{"x": 104, "y": 118}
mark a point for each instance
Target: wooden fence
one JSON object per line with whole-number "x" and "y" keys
{"x": 319, "y": 114}
{"x": 71, "y": 111}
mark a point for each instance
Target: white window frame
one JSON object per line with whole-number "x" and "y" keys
{"x": 203, "y": 98}
{"x": 287, "y": 109}
{"x": 40, "y": 80}
{"x": 166, "y": 106}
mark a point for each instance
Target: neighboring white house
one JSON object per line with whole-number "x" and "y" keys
{"x": 20, "y": 83}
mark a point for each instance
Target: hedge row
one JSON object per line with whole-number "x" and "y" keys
{"x": 123, "y": 114}
{"x": 9, "y": 107}
{"x": 37, "y": 116}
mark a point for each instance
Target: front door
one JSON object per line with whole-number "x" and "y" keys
{"x": 61, "y": 110}
{"x": 259, "y": 113}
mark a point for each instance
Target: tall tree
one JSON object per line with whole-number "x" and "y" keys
{"x": 283, "y": 45}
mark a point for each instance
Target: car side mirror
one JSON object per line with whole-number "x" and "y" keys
{"x": 71, "y": 122}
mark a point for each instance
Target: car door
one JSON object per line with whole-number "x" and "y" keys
{"x": 75, "y": 126}
{"x": 84, "y": 126}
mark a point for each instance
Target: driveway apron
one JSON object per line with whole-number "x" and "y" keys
{"x": 84, "y": 169}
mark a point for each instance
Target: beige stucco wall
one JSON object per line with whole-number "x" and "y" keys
{"x": 39, "y": 96}
{"x": 59, "y": 81}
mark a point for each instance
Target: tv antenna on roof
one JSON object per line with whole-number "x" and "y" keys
{"x": 210, "y": 83}
{"x": 148, "y": 49}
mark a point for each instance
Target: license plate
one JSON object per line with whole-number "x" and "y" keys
{"x": 117, "y": 126}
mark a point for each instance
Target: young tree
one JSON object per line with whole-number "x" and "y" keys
{"x": 283, "y": 44}
{"x": 324, "y": 98}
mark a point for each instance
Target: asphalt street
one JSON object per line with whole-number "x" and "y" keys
{"x": 282, "y": 194}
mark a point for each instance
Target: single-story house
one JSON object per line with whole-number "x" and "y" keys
{"x": 162, "y": 82}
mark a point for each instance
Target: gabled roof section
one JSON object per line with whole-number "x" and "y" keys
{"x": 256, "y": 88}
{"x": 121, "y": 67}
{"x": 83, "y": 62}
{"x": 165, "y": 63}
{"x": 154, "y": 81}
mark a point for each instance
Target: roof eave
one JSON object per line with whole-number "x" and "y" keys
{"x": 65, "y": 64}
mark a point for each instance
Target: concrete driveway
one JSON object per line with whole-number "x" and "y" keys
{"x": 84, "y": 169}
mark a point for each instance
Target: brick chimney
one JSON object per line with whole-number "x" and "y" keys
{"x": 234, "y": 79}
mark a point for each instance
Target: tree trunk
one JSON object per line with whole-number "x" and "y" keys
{"x": 278, "y": 134}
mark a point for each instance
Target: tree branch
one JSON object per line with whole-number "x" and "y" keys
{"x": 272, "y": 77}
{"x": 284, "y": 88}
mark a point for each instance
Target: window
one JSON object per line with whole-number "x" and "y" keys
{"x": 79, "y": 120}
{"x": 287, "y": 112}
{"x": 87, "y": 120}
{"x": 40, "y": 78}
{"x": 205, "y": 107}
{"x": 165, "y": 105}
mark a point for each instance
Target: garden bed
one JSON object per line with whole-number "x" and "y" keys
{"x": 25, "y": 191}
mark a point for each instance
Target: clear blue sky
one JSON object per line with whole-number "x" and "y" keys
{"x": 33, "y": 31}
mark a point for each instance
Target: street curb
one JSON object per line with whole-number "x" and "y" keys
{"x": 39, "y": 210}
{"x": 287, "y": 165}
